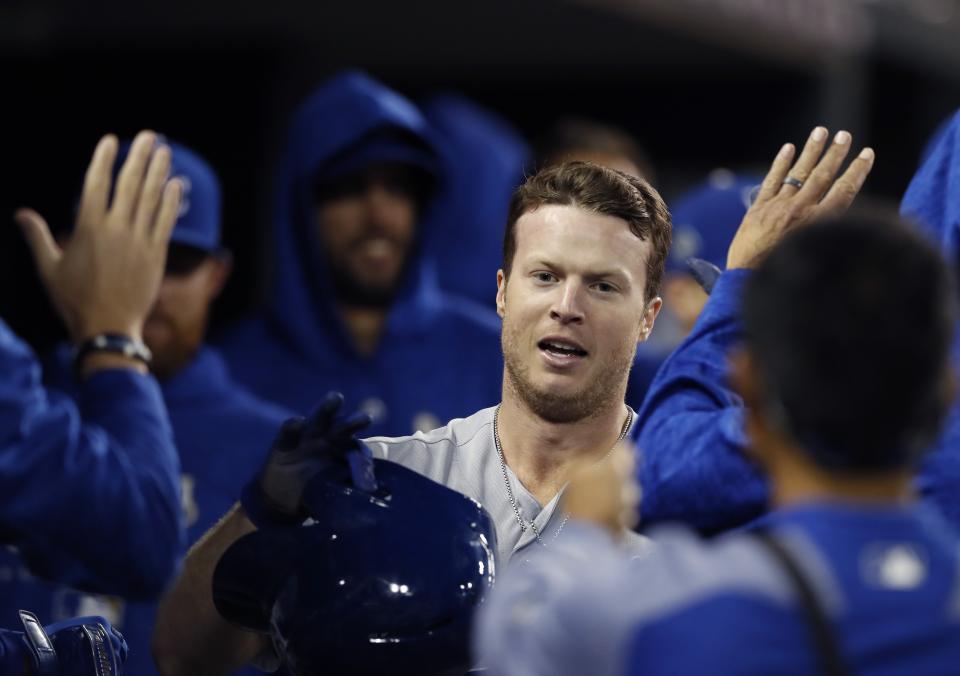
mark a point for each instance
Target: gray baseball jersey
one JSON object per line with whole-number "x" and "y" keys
{"x": 463, "y": 456}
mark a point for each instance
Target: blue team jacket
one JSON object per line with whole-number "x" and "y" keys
{"x": 886, "y": 576}
{"x": 932, "y": 201}
{"x": 691, "y": 437}
{"x": 89, "y": 491}
{"x": 222, "y": 433}
{"x": 439, "y": 357}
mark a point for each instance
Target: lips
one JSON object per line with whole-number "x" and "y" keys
{"x": 563, "y": 348}
{"x": 376, "y": 247}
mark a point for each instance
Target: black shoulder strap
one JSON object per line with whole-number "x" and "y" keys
{"x": 821, "y": 630}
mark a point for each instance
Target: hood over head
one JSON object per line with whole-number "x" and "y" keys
{"x": 348, "y": 123}
{"x": 484, "y": 157}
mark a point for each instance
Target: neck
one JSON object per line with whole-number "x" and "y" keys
{"x": 365, "y": 326}
{"x": 542, "y": 453}
{"x": 796, "y": 480}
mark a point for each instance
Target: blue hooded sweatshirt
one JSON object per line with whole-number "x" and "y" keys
{"x": 88, "y": 491}
{"x": 690, "y": 429}
{"x": 222, "y": 433}
{"x": 483, "y": 159}
{"x": 439, "y": 356}
{"x": 932, "y": 201}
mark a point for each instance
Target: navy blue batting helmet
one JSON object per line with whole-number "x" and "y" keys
{"x": 378, "y": 582}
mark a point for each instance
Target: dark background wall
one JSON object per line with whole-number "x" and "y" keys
{"x": 702, "y": 83}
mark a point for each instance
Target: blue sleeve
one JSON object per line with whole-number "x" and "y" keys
{"x": 13, "y": 652}
{"x": 691, "y": 436}
{"x": 550, "y": 615}
{"x": 89, "y": 494}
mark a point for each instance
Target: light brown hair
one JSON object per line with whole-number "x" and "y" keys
{"x": 603, "y": 191}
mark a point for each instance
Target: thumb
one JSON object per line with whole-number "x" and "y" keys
{"x": 45, "y": 251}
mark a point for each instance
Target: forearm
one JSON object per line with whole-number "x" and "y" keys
{"x": 190, "y": 635}
{"x": 111, "y": 469}
{"x": 693, "y": 468}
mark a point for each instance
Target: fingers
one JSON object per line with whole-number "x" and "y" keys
{"x": 130, "y": 181}
{"x": 290, "y": 432}
{"x": 778, "y": 171}
{"x": 821, "y": 178}
{"x": 807, "y": 160}
{"x": 168, "y": 212}
{"x": 44, "y": 248}
{"x": 846, "y": 188}
{"x": 350, "y": 426}
{"x": 153, "y": 188}
{"x": 96, "y": 183}
{"x": 323, "y": 414}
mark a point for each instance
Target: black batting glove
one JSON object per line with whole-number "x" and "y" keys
{"x": 303, "y": 448}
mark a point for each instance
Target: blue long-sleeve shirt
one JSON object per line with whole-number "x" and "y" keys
{"x": 222, "y": 434}
{"x": 690, "y": 428}
{"x": 89, "y": 491}
{"x": 887, "y": 577}
{"x": 691, "y": 438}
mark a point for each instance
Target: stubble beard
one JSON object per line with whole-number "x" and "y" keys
{"x": 598, "y": 394}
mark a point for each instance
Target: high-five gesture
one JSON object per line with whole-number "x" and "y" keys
{"x": 794, "y": 194}
{"x": 106, "y": 278}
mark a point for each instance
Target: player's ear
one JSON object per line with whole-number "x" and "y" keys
{"x": 649, "y": 317}
{"x": 501, "y": 293}
{"x": 221, "y": 267}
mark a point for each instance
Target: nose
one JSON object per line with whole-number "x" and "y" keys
{"x": 566, "y": 307}
{"x": 164, "y": 293}
{"x": 380, "y": 202}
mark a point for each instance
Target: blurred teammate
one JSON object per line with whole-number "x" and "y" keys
{"x": 89, "y": 494}
{"x": 219, "y": 428}
{"x": 848, "y": 574}
{"x": 691, "y": 431}
{"x": 354, "y": 304}
{"x": 483, "y": 159}
{"x": 705, "y": 219}
{"x": 573, "y": 139}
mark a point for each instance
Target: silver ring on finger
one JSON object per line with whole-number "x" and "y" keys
{"x": 795, "y": 182}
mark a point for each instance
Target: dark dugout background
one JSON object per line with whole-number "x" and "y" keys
{"x": 702, "y": 83}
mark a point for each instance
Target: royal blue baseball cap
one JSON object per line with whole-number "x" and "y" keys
{"x": 386, "y": 146}
{"x": 198, "y": 224}
{"x": 706, "y": 218}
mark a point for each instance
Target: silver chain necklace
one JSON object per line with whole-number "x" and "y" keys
{"x": 506, "y": 479}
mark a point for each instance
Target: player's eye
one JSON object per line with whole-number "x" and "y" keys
{"x": 604, "y": 287}
{"x": 544, "y": 276}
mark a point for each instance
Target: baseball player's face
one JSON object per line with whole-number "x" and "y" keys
{"x": 175, "y": 328}
{"x": 573, "y": 310}
{"x": 366, "y": 225}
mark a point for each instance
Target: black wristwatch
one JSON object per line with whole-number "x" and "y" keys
{"x": 115, "y": 343}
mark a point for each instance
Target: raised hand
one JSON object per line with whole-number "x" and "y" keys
{"x": 794, "y": 194}
{"x": 106, "y": 278}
